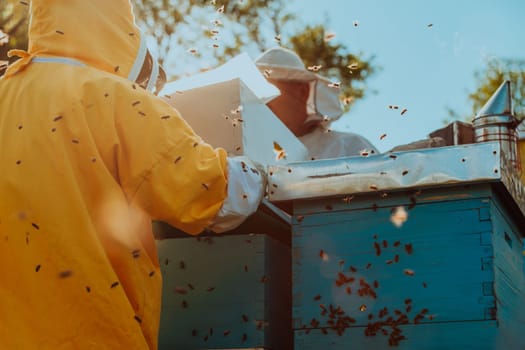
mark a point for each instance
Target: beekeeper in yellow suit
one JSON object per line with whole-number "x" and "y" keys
{"x": 88, "y": 158}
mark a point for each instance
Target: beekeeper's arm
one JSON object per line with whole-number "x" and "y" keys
{"x": 173, "y": 175}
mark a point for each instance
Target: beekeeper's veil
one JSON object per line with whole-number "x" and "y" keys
{"x": 285, "y": 65}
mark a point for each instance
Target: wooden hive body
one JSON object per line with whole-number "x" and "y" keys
{"x": 450, "y": 277}
{"x": 225, "y": 292}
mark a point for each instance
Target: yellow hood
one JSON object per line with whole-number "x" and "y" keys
{"x": 98, "y": 33}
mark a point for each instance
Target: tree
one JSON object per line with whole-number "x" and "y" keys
{"x": 496, "y": 72}
{"x": 315, "y": 47}
{"x": 192, "y": 35}
{"x": 206, "y": 33}
{"x": 13, "y": 23}
{"x": 489, "y": 80}
{"x": 244, "y": 25}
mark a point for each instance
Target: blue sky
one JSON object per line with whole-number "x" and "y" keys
{"x": 424, "y": 69}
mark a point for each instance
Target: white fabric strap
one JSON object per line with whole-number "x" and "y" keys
{"x": 139, "y": 60}
{"x": 153, "y": 76}
{"x": 246, "y": 186}
{"x": 64, "y": 60}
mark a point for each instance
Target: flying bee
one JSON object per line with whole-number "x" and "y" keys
{"x": 279, "y": 151}
{"x": 347, "y": 199}
{"x": 180, "y": 290}
{"x": 347, "y": 100}
{"x": 377, "y": 248}
{"x": 65, "y": 274}
{"x": 314, "y": 68}
{"x": 409, "y": 272}
{"x": 329, "y": 36}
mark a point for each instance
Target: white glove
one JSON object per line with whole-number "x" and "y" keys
{"x": 246, "y": 188}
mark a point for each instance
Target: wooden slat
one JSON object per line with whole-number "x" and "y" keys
{"x": 381, "y": 199}
{"x": 439, "y": 336}
{"x": 509, "y": 287}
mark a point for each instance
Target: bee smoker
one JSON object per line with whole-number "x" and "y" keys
{"x": 496, "y": 122}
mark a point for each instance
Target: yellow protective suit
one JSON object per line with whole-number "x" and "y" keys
{"x": 88, "y": 158}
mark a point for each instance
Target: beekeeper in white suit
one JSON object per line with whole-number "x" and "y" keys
{"x": 308, "y": 105}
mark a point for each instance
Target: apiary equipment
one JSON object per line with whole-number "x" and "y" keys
{"x": 226, "y": 107}
{"x": 229, "y": 291}
{"x": 419, "y": 250}
{"x": 496, "y": 122}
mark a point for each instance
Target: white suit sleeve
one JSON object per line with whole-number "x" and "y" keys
{"x": 246, "y": 187}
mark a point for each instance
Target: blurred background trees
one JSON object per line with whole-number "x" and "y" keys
{"x": 194, "y": 35}
{"x": 13, "y": 28}
{"x": 212, "y": 32}
{"x": 489, "y": 79}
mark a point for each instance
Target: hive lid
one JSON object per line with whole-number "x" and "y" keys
{"x": 416, "y": 169}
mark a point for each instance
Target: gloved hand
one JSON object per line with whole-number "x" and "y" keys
{"x": 247, "y": 183}
{"x": 255, "y": 167}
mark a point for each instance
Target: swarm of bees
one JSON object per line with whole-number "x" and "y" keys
{"x": 396, "y": 107}
{"x": 386, "y": 321}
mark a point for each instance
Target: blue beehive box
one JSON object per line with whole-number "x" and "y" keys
{"x": 225, "y": 291}
{"x": 427, "y": 252}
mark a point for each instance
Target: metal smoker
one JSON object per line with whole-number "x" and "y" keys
{"x": 496, "y": 122}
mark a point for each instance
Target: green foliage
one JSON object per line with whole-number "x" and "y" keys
{"x": 350, "y": 70}
{"x": 246, "y": 24}
{"x": 496, "y": 72}
{"x": 203, "y": 34}
{"x": 13, "y": 22}
{"x": 488, "y": 80}
{"x": 214, "y": 30}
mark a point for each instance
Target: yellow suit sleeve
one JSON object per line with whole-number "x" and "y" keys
{"x": 163, "y": 167}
